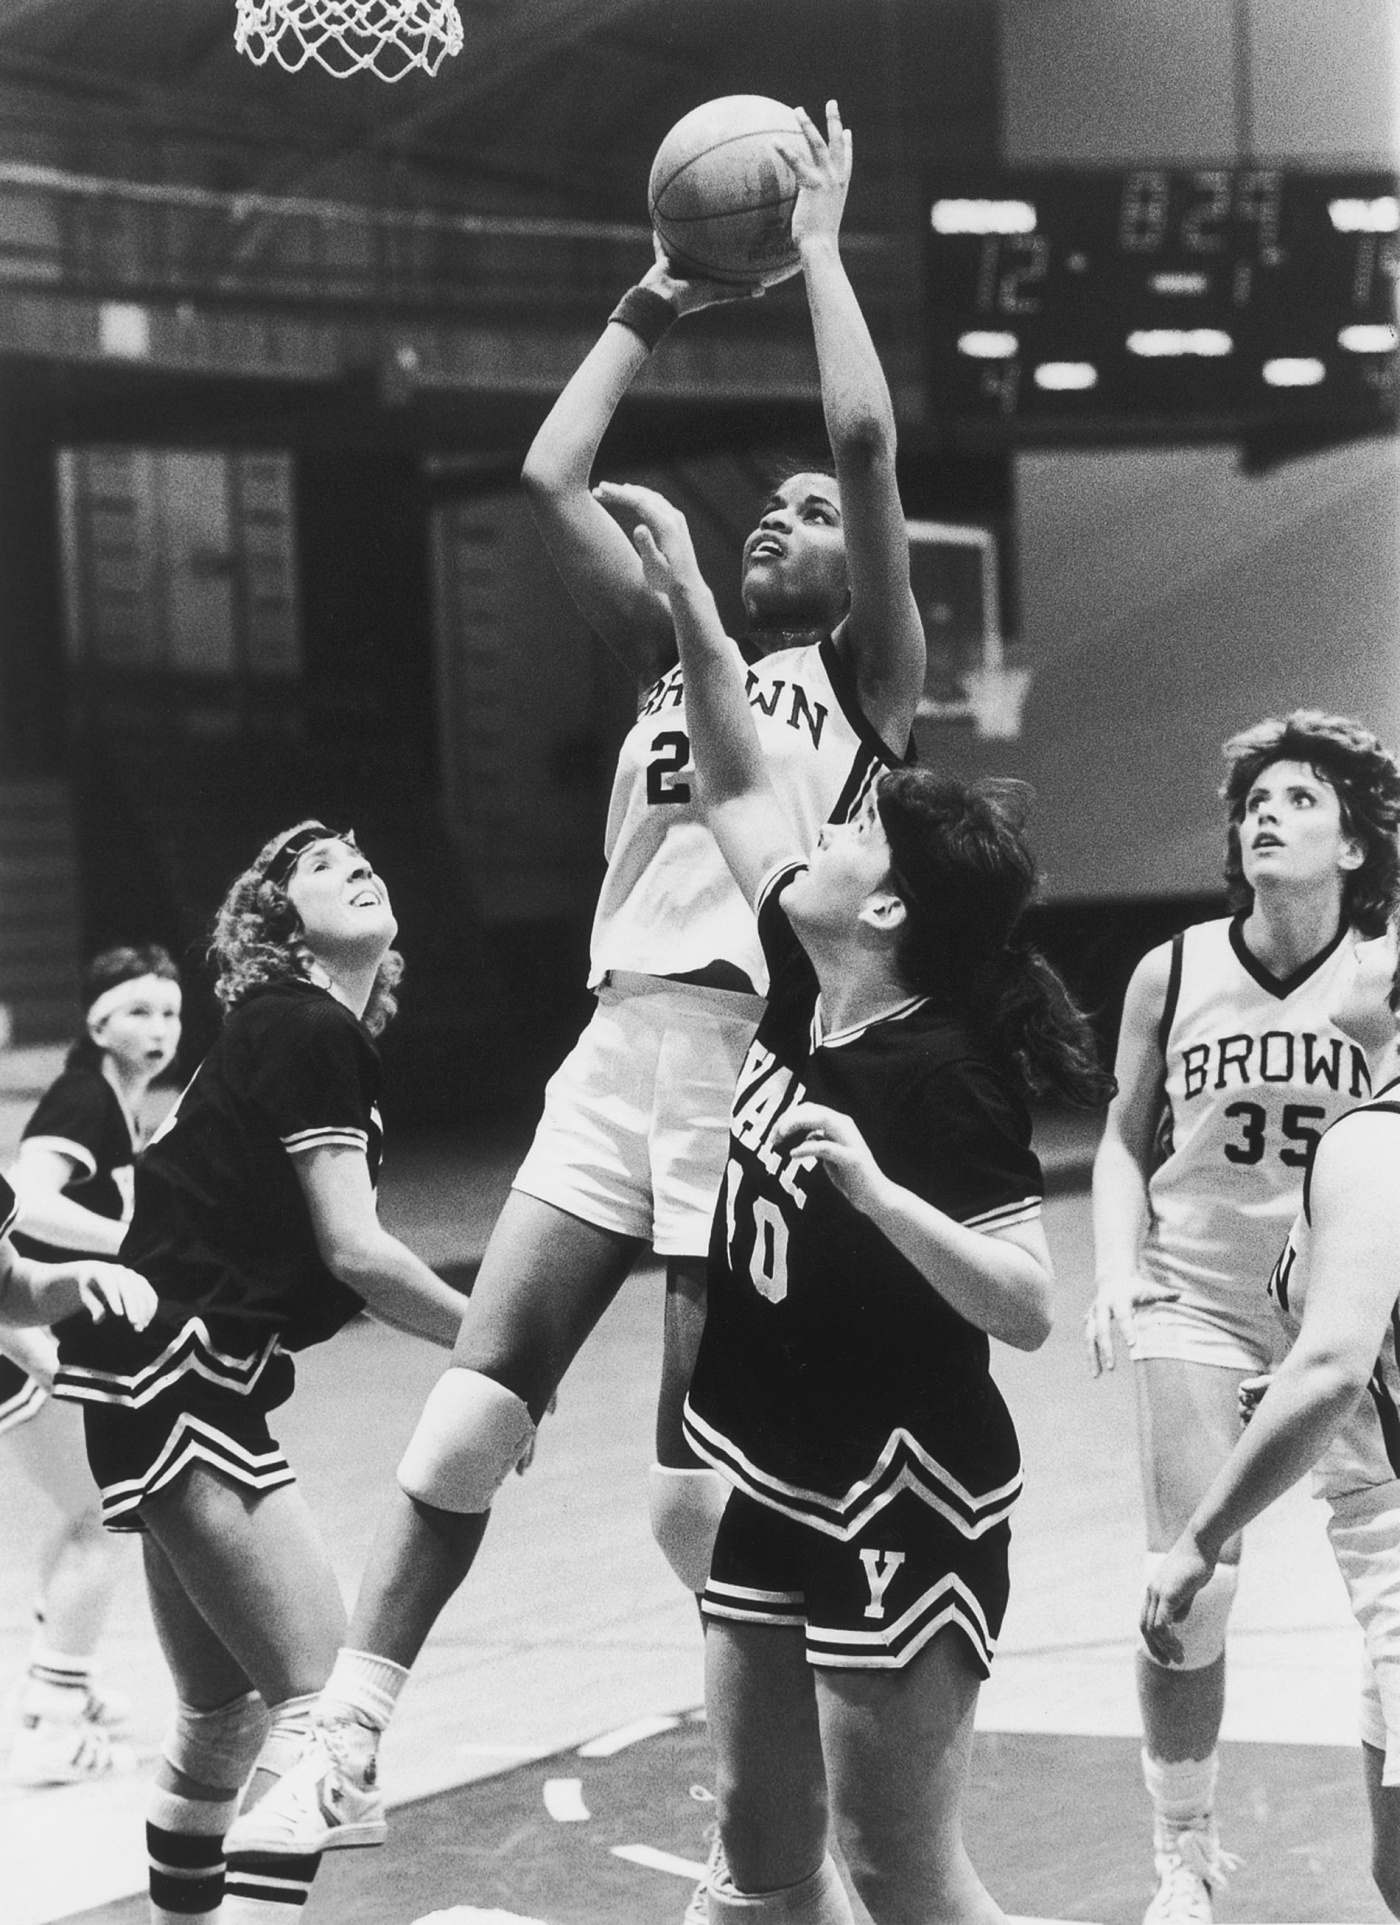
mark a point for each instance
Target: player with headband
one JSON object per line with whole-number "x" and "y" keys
{"x": 630, "y": 1150}
{"x": 73, "y": 1176}
{"x": 1229, "y": 1069}
{"x": 255, "y": 1220}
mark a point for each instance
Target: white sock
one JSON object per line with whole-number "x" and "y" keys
{"x": 57, "y": 1684}
{"x": 260, "y": 1890}
{"x": 1182, "y": 1793}
{"x": 185, "y": 1844}
{"x": 818, "y": 1900}
{"x": 367, "y": 1685}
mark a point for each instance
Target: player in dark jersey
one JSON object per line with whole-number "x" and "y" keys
{"x": 74, "y": 1176}
{"x": 878, "y": 1223}
{"x": 255, "y": 1221}
{"x": 1333, "y": 1405}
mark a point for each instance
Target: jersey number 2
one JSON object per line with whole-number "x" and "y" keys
{"x": 768, "y": 1257}
{"x": 671, "y": 750}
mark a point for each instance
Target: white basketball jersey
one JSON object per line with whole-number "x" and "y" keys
{"x": 1366, "y": 1450}
{"x": 1255, "y": 1072}
{"x": 668, "y": 904}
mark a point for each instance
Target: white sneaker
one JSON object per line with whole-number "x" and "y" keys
{"x": 65, "y": 1751}
{"x": 697, "y": 1912}
{"x": 329, "y": 1800}
{"x": 1191, "y": 1868}
{"x": 107, "y": 1707}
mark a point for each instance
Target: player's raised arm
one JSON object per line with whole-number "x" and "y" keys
{"x": 741, "y": 804}
{"x": 882, "y": 636}
{"x": 596, "y": 562}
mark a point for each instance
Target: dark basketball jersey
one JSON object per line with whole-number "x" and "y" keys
{"x": 221, "y": 1227}
{"x": 81, "y": 1116}
{"x": 9, "y": 1209}
{"x": 831, "y": 1373}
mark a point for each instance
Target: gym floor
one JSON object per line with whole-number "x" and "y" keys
{"x": 572, "y": 1630}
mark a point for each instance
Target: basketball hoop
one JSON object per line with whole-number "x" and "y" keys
{"x": 384, "y": 37}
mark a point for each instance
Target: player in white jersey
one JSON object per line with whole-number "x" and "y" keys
{"x": 1229, "y": 1068}
{"x": 1334, "y": 1405}
{"x": 631, "y": 1148}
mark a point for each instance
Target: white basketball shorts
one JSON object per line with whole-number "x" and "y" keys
{"x": 1209, "y": 1322}
{"x": 635, "y": 1129}
{"x": 1365, "y": 1531}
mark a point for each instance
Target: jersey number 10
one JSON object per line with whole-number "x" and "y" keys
{"x": 768, "y": 1253}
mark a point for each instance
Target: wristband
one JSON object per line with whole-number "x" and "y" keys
{"x": 647, "y": 313}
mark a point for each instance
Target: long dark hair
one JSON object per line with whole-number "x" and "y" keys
{"x": 257, "y": 939}
{"x": 961, "y": 865}
{"x": 109, "y": 967}
{"x": 1367, "y": 785}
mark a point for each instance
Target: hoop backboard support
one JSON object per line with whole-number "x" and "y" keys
{"x": 953, "y": 568}
{"x": 388, "y": 38}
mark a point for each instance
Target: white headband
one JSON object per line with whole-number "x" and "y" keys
{"x": 136, "y": 989}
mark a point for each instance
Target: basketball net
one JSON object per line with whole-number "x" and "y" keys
{"x": 388, "y": 38}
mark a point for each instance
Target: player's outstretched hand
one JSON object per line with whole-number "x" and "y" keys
{"x": 823, "y": 169}
{"x": 686, "y": 293}
{"x": 112, "y": 1288}
{"x": 1115, "y": 1300}
{"x": 1182, "y": 1572}
{"x": 831, "y": 1139}
{"x": 661, "y": 535}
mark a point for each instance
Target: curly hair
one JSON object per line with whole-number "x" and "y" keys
{"x": 123, "y": 964}
{"x": 257, "y": 940}
{"x": 960, "y": 862}
{"x": 1367, "y": 784}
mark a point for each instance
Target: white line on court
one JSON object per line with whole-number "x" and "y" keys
{"x": 627, "y": 1734}
{"x": 660, "y": 1861}
{"x": 563, "y": 1800}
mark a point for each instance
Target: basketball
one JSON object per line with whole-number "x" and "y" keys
{"x": 721, "y": 195}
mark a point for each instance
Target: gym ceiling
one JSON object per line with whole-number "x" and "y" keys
{"x": 554, "y": 107}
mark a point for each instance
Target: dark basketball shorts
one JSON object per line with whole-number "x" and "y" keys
{"x": 871, "y": 1602}
{"x": 21, "y": 1397}
{"x": 186, "y": 1404}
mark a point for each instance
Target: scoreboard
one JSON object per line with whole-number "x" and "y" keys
{"x": 1158, "y": 303}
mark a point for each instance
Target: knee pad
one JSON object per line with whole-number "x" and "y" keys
{"x": 686, "y": 1506}
{"x": 818, "y": 1900}
{"x": 288, "y": 1732}
{"x": 471, "y": 1435}
{"x": 1202, "y": 1630}
{"x": 217, "y": 1748}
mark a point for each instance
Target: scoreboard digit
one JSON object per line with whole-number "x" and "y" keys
{"x": 1162, "y": 303}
